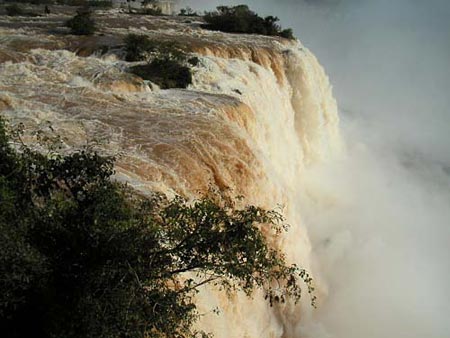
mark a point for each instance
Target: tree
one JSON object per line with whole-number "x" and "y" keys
{"x": 85, "y": 256}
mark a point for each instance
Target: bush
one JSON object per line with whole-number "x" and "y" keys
{"x": 165, "y": 73}
{"x": 240, "y": 19}
{"x": 82, "y": 23}
{"x": 84, "y": 256}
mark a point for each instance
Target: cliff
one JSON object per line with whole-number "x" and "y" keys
{"x": 259, "y": 110}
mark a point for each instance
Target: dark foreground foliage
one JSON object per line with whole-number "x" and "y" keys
{"x": 84, "y": 256}
{"x": 240, "y": 19}
{"x": 82, "y": 23}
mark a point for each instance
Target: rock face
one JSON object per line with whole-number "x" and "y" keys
{"x": 260, "y": 110}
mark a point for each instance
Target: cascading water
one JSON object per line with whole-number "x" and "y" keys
{"x": 295, "y": 123}
{"x": 257, "y": 114}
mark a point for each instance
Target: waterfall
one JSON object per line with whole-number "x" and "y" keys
{"x": 255, "y": 117}
{"x": 294, "y": 123}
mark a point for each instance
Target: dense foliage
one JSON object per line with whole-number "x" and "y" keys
{"x": 82, "y": 23}
{"x": 84, "y": 256}
{"x": 240, "y": 19}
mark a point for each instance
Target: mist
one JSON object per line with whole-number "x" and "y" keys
{"x": 379, "y": 217}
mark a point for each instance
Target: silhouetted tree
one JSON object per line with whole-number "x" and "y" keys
{"x": 84, "y": 256}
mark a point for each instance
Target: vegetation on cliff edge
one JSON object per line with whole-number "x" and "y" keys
{"x": 85, "y": 256}
{"x": 240, "y": 19}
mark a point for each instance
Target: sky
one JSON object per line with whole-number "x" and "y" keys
{"x": 383, "y": 245}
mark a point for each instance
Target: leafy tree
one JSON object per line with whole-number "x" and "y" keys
{"x": 85, "y": 256}
{"x": 240, "y": 19}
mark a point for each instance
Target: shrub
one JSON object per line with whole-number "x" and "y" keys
{"x": 84, "y": 256}
{"x": 166, "y": 73}
{"x": 82, "y": 23}
{"x": 240, "y": 19}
